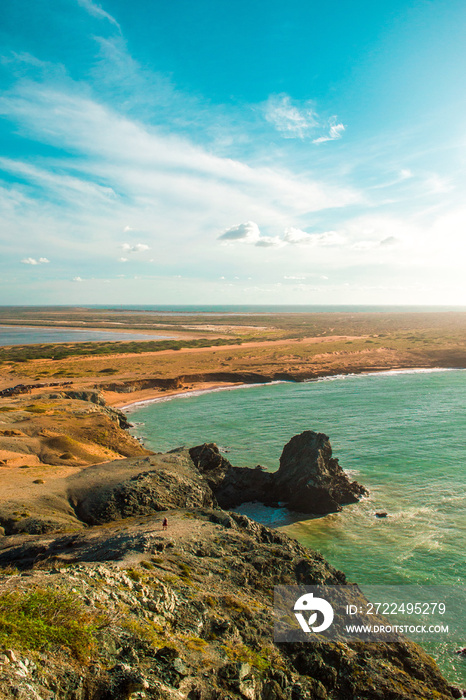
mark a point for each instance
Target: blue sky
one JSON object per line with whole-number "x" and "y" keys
{"x": 217, "y": 152}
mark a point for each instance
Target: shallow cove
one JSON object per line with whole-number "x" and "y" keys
{"x": 400, "y": 433}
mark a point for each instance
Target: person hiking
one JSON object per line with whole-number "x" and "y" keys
{"x": 165, "y": 524}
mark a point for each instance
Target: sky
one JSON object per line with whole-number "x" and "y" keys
{"x": 255, "y": 152}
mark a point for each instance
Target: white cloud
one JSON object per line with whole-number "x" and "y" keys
{"x": 127, "y": 229}
{"x": 146, "y": 176}
{"x": 96, "y": 11}
{"x": 123, "y": 259}
{"x": 371, "y": 244}
{"x": 295, "y": 236}
{"x": 248, "y": 233}
{"x": 290, "y": 119}
{"x": 438, "y": 185}
{"x": 294, "y": 120}
{"x": 78, "y": 279}
{"x": 335, "y": 132}
{"x": 33, "y": 261}
{"x": 134, "y": 247}
{"x": 329, "y": 239}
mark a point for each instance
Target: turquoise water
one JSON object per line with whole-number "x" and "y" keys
{"x": 27, "y": 335}
{"x": 400, "y": 434}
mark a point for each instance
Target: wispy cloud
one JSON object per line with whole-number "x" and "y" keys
{"x": 141, "y": 161}
{"x": 296, "y": 120}
{"x": 335, "y": 132}
{"x": 290, "y": 119}
{"x": 326, "y": 239}
{"x": 97, "y": 11}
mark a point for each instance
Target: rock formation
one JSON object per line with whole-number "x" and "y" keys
{"x": 309, "y": 479}
{"x": 232, "y": 485}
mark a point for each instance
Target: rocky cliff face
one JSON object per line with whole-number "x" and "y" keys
{"x": 309, "y": 479}
{"x": 184, "y": 614}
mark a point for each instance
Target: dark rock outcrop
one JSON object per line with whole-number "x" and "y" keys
{"x": 309, "y": 479}
{"x": 129, "y": 488}
{"x": 231, "y": 485}
{"x": 91, "y": 396}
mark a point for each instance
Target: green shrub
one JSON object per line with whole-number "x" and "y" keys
{"x": 146, "y": 565}
{"x": 185, "y": 570}
{"x": 241, "y": 652}
{"x": 134, "y": 574}
{"x": 146, "y": 630}
{"x": 46, "y": 619}
{"x": 194, "y": 643}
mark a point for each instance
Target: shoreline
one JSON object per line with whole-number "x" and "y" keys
{"x": 156, "y": 396}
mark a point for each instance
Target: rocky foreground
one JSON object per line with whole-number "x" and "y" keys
{"x": 98, "y": 602}
{"x": 130, "y": 611}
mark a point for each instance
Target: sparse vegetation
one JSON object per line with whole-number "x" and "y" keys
{"x": 22, "y": 353}
{"x": 241, "y": 652}
{"x": 146, "y": 630}
{"x": 46, "y": 619}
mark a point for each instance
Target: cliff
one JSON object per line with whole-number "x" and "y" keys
{"x": 97, "y": 602}
{"x": 129, "y": 611}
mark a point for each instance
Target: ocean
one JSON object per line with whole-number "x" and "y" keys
{"x": 401, "y": 434}
{"x": 242, "y": 309}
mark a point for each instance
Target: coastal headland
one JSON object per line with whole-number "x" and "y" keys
{"x": 186, "y": 613}
{"x": 225, "y": 349}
